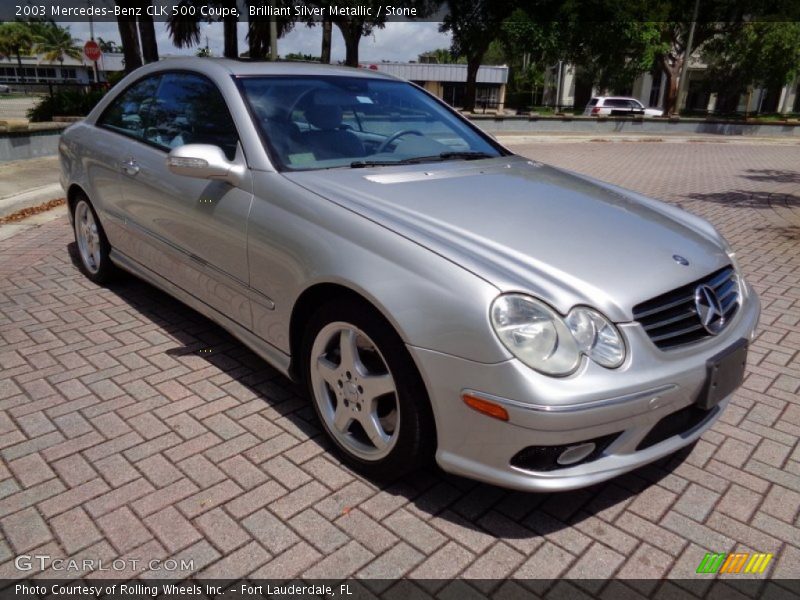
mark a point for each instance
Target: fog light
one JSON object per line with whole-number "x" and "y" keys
{"x": 575, "y": 454}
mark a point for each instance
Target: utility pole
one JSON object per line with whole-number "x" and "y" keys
{"x": 273, "y": 35}
{"x": 686, "y": 57}
{"x": 91, "y": 37}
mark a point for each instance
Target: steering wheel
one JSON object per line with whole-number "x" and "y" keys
{"x": 392, "y": 138}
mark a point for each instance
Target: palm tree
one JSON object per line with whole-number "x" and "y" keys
{"x": 16, "y": 39}
{"x": 184, "y": 30}
{"x": 56, "y": 43}
{"x": 108, "y": 46}
{"x": 147, "y": 33}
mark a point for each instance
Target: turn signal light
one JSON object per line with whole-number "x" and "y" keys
{"x": 486, "y": 407}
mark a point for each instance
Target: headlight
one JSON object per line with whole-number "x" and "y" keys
{"x": 545, "y": 341}
{"x": 596, "y": 337}
{"x": 535, "y": 334}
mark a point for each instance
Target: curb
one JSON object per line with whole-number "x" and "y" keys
{"x": 29, "y": 198}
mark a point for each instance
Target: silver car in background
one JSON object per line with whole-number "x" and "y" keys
{"x": 438, "y": 295}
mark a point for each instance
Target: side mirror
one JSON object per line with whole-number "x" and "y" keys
{"x": 203, "y": 161}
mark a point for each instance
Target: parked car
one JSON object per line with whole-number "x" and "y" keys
{"x": 4, "y": 89}
{"x": 619, "y": 107}
{"x": 437, "y": 294}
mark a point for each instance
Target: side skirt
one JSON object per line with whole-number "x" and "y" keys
{"x": 272, "y": 355}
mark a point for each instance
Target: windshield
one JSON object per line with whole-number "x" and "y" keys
{"x": 326, "y": 122}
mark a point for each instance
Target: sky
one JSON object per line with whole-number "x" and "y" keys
{"x": 398, "y": 41}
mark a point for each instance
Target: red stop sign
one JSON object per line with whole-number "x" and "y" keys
{"x": 92, "y": 51}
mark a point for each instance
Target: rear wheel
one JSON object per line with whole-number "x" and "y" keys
{"x": 366, "y": 390}
{"x": 93, "y": 246}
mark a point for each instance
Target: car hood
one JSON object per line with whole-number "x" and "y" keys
{"x": 528, "y": 227}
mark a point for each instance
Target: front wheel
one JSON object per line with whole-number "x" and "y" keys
{"x": 93, "y": 246}
{"x": 366, "y": 390}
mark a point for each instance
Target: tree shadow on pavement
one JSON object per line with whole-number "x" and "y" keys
{"x": 753, "y": 199}
{"x": 773, "y": 175}
{"x": 463, "y": 503}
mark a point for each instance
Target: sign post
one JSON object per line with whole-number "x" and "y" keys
{"x": 92, "y": 52}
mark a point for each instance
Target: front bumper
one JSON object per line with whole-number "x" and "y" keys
{"x": 591, "y": 403}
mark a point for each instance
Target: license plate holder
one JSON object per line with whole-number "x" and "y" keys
{"x": 724, "y": 373}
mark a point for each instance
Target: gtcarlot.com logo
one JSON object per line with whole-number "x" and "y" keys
{"x": 29, "y": 562}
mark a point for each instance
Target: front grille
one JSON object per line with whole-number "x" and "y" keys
{"x": 671, "y": 319}
{"x": 677, "y": 423}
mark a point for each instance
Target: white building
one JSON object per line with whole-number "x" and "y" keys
{"x": 37, "y": 70}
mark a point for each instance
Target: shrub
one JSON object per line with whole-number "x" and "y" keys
{"x": 66, "y": 103}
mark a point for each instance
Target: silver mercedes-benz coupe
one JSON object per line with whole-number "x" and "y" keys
{"x": 437, "y": 294}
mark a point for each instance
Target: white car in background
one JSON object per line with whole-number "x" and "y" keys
{"x": 615, "y": 106}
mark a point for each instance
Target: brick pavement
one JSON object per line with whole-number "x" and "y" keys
{"x": 119, "y": 438}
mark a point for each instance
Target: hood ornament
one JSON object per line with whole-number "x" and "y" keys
{"x": 680, "y": 260}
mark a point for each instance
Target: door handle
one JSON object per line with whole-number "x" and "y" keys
{"x": 129, "y": 167}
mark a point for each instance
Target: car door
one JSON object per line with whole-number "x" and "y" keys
{"x": 109, "y": 150}
{"x": 193, "y": 232}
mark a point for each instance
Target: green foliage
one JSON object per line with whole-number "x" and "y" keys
{"x": 55, "y": 42}
{"x": 114, "y": 77}
{"x": 441, "y": 56}
{"x": 759, "y": 53}
{"x": 72, "y": 103}
{"x": 109, "y": 46}
{"x": 301, "y": 57}
{"x": 16, "y": 39}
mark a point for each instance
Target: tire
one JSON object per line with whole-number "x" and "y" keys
{"x": 370, "y": 399}
{"x": 92, "y": 243}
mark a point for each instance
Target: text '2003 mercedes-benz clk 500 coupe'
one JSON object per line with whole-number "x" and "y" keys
{"x": 438, "y": 295}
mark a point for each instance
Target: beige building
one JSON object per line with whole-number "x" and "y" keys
{"x": 448, "y": 81}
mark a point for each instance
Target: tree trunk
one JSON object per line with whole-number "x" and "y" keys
{"x": 129, "y": 36}
{"x": 473, "y": 63}
{"x": 351, "y": 32}
{"x": 327, "y": 31}
{"x": 147, "y": 32}
{"x": 672, "y": 71}
{"x": 258, "y": 38}
{"x": 231, "y": 37}
{"x": 19, "y": 68}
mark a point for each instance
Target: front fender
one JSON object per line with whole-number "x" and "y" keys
{"x": 297, "y": 239}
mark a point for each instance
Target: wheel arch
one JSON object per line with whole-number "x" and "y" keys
{"x": 74, "y": 191}
{"x": 312, "y": 298}
{"x": 323, "y": 292}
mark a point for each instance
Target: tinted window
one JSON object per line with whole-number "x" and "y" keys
{"x": 189, "y": 109}
{"x": 328, "y": 122}
{"x": 128, "y": 113}
{"x": 593, "y": 101}
{"x": 616, "y": 103}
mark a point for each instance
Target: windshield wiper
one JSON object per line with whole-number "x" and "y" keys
{"x": 466, "y": 155}
{"x": 453, "y": 155}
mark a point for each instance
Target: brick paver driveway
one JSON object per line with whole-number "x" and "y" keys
{"x": 132, "y": 427}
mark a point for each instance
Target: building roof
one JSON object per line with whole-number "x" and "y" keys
{"x": 440, "y": 72}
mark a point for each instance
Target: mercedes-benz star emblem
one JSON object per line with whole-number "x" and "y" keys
{"x": 709, "y": 309}
{"x": 680, "y": 260}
